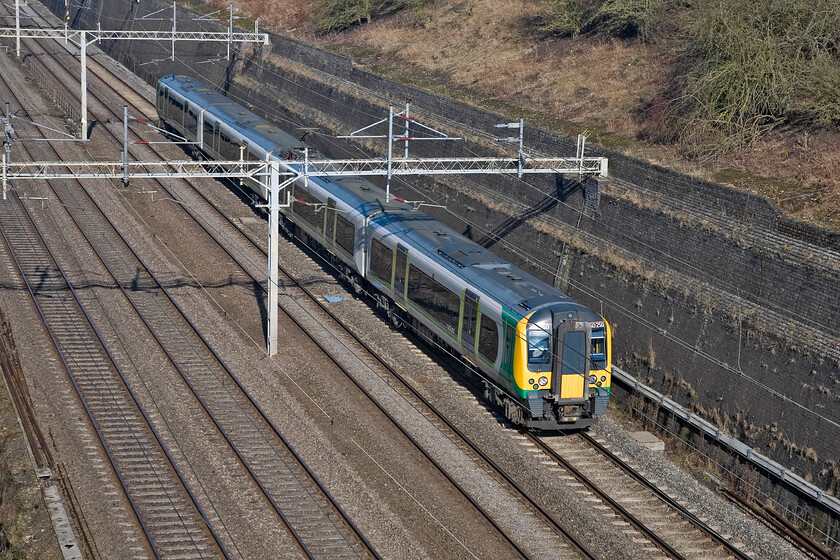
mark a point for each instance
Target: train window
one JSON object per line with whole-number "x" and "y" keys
{"x": 306, "y": 209}
{"x": 434, "y": 298}
{"x": 191, "y": 122}
{"x": 345, "y": 234}
{"x": 574, "y": 353}
{"x": 176, "y": 111}
{"x": 470, "y": 319}
{"x": 488, "y": 338}
{"x": 208, "y": 134}
{"x": 228, "y": 148}
{"x": 598, "y": 349}
{"x": 539, "y": 351}
{"x": 381, "y": 261}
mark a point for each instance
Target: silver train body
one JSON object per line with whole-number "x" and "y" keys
{"x": 544, "y": 358}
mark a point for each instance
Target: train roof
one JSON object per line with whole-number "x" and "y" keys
{"x": 480, "y": 267}
{"x": 489, "y": 273}
{"x": 260, "y": 132}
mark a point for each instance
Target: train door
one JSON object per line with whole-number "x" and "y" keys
{"x": 509, "y": 337}
{"x": 571, "y": 362}
{"x": 206, "y": 133}
{"x": 469, "y": 324}
{"x": 400, "y": 273}
{"x": 329, "y": 233}
{"x": 199, "y": 137}
{"x": 215, "y": 139}
{"x": 191, "y": 121}
{"x": 163, "y": 101}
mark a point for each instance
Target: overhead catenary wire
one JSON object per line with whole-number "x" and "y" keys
{"x": 537, "y": 260}
{"x": 626, "y": 311}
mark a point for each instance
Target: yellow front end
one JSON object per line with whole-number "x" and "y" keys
{"x": 524, "y": 379}
{"x": 572, "y": 386}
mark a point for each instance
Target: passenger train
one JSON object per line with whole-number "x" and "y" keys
{"x": 544, "y": 358}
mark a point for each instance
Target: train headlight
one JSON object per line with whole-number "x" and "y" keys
{"x": 598, "y": 384}
{"x": 592, "y": 379}
{"x": 603, "y": 378}
{"x": 531, "y": 381}
{"x": 543, "y": 381}
{"x": 536, "y": 386}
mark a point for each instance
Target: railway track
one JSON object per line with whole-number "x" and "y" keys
{"x": 314, "y": 323}
{"x": 174, "y": 525}
{"x": 19, "y": 393}
{"x": 319, "y": 326}
{"x": 369, "y": 371}
{"x": 312, "y": 517}
{"x": 603, "y": 477}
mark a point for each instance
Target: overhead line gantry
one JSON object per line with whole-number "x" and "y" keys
{"x": 82, "y": 38}
{"x": 269, "y": 173}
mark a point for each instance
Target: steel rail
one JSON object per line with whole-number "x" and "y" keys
{"x": 402, "y": 380}
{"x": 344, "y": 370}
{"x": 84, "y": 402}
{"x": 563, "y": 531}
{"x": 671, "y": 502}
{"x": 606, "y": 498}
{"x": 21, "y": 400}
{"x": 425, "y": 401}
{"x": 100, "y": 341}
{"x": 345, "y": 165}
{"x": 359, "y": 535}
{"x": 783, "y": 526}
{"x": 239, "y": 385}
{"x": 373, "y": 399}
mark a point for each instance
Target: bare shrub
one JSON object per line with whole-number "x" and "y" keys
{"x": 751, "y": 65}
{"x": 629, "y": 18}
{"x": 568, "y": 17}
{"x": 615, "y": 18}
{"x": 335, "y": 15}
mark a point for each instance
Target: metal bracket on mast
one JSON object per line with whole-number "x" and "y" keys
{"x": 522, "y": 156}
{"x": 581, "y": 146}
{"x": 231, "y": 17}
{"x": 179, "y": 140}
{"x": 406, "y": 137}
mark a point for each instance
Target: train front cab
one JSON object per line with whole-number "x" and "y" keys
{"x": 562, "y": 369}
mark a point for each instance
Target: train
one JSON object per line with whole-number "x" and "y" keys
{"x": 544, "y": 358}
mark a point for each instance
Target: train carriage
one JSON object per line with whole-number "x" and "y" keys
{"x": 545, "y": 358}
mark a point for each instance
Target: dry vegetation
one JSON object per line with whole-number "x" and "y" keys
{"x": 500, "y": 54}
